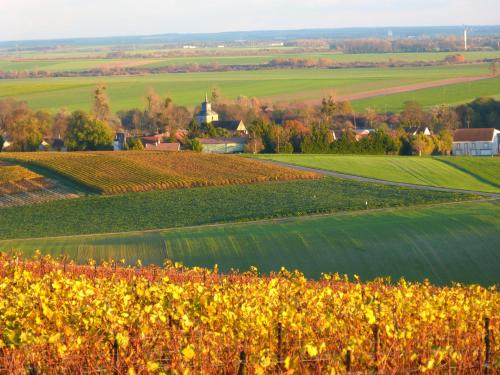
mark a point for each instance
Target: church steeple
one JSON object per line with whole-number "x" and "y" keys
{"x": 206, "y": 115}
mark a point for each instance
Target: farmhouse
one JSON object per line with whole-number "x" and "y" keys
{"x": 208, "y": 116}
{"x": 476, "y": 142}
{"x": 223, "y": 145}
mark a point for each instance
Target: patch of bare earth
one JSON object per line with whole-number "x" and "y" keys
{"x": 32, "y": 191}
{"x": 125, "y": 64}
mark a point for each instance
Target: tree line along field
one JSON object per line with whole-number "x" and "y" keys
{"x": 128, "y": 92}
{"x": 467, "y": 173}
{"x": 120, "y": 172}
{"x": 62, "y": 63}
{"x": 447, "y": 243}
{"x": 208, "y": 205}
{"x": 60, "y": 317}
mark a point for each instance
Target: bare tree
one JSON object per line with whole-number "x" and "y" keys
{"x": 493, "y": 69}
{"x": 101, "y": 107}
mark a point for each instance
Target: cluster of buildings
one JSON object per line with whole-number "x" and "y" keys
{"x": 466, "y": 142}
{"x": 230, "y": 145}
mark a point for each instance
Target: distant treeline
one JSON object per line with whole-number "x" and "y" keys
{"x": 277, "y": 63}
{"x": 448, "y": 44}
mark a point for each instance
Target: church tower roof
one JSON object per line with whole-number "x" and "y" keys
{"x": 206, "y": 111}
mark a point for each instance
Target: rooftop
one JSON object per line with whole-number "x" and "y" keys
{"x": 163, "y": 147}
{"x": 228, "y": 125}
{"x": 474, "y": 135}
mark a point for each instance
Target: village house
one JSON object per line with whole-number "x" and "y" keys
{"x": 5, "y": 146}
{"x": 476, "y": 142}
{"x": 119, "y": 141}
{"x": 362, "y": 133}
{"x": 233, "y": 127}
{"x": 45, "y": 145}
{"x": 413, "y": 131}
{"x": 170, "y": 146}
{"x": 153, "y": 139}
{"x": 223, "y": 145}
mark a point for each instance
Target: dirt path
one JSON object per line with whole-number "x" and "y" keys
{"x": 408, "y": 88}
{"x": 378, "y": 181}
{"x": 375, "y": 93}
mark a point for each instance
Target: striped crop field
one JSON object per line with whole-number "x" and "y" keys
{"x": 209, "y": 205}
{"x": 13, "y": 173}
{"x": 120, "y": 172}
{"x": 445, "y": 243}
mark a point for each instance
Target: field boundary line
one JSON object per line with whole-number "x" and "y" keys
{"x": 359, "y": 178}
{"x": 276, "y": 220}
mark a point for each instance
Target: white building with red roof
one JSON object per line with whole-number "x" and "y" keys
{"x": 476, "y": 142}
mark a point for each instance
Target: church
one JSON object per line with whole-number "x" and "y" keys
{"x": 209, "y": 116}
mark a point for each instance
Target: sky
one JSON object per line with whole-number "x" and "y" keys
{"x": 46, "y": 19}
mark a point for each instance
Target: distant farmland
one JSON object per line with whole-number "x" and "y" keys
{"x": 274, "y": 85}
{"x": 63, "y": 62}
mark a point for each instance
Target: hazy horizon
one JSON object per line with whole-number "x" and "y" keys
{"x": 67, "y": 19}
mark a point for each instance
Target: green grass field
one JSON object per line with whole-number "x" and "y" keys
{"x": 198, "y": 206}
{"x": 276, "y": 85}
{"x": 451, "y": 94}
{"x": 69, "y": 62}
{"x": 480, "y": 174}
{"x": 447, "y": 243}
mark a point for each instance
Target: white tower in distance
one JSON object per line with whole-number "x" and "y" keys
{"x": 465, "y": 38}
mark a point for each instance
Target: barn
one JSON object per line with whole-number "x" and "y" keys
{"x": 223, "y": 145}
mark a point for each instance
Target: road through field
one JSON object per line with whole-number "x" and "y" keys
{"x": 408, "y": 88}
{"x": 379, "y": 181}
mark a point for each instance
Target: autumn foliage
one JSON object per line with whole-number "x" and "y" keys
{"x": 58, "y": 317}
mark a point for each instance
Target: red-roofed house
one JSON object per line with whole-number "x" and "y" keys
{"x": 174, "y": 146}
{"x": 476, "y": 142}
